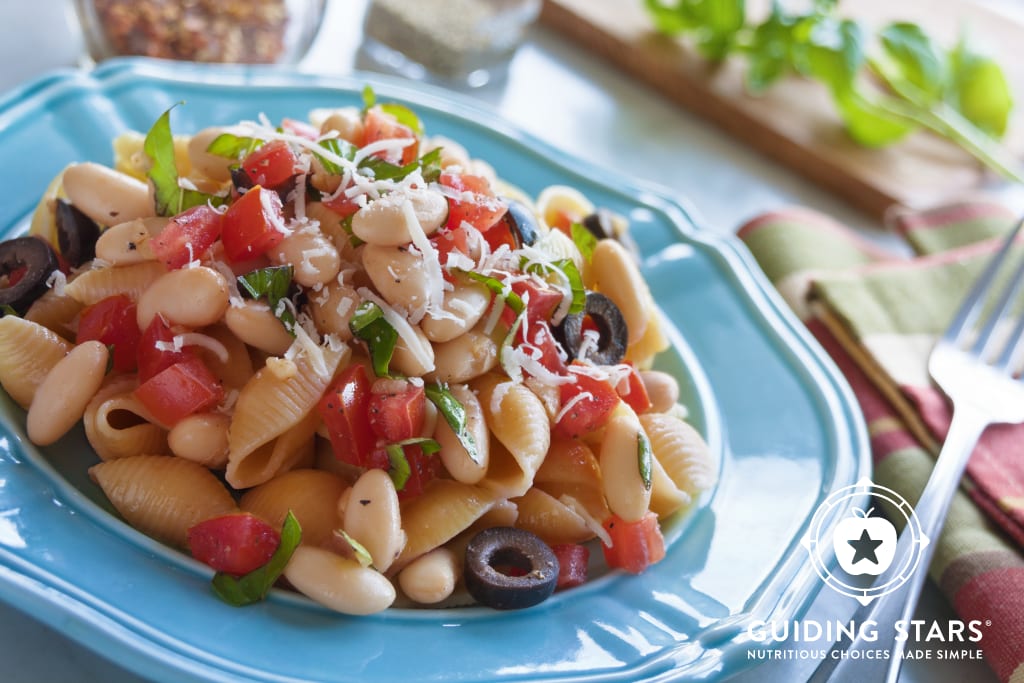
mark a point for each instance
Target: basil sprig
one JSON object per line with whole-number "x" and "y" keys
{"x": 272, "y": 283}
{"x": 644, "y": 458}
{"x": 400, "y": 469}
{"x": 231, "y": 146}
{"x": 512, "y": 300}
{"x": 584, "y": 240}
{"x": 170, "y": 198}
{"x": 370, "y": 325}
{"x": 254, "y": 586}
{"x": 454, "y": 414}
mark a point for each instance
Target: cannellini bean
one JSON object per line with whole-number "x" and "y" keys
{"x": 372, "y": 517}
{"x": 201, "y": 438}
{"x": 332, "y": 309}
{"x": 385, "y": 221}
{"x": 60, "y": 400}
{"x": 662, "y": 388}
{"x": 106, "y": 196}
{"x": 618, "y": 278}
{"x": 465, "y": 357}
{"x": 621, "y": 479}
{"x": 398, "y": 274}
{"x": 430, "y": 578}
{"x": 313, "y": 256}
{"x": 210, "y": 165}
{"x": 464, "y": 306}
{"x": 347, "y": 123}
{"x": 453, "y": 454}
{"x": 337, "y": 582}
{"x": 254, "y": 323}
{"x": 128, "y": 242}
{"x": 413, "y": 358}
{"x": 194, "y": 297}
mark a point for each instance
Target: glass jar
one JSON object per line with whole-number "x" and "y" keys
{"x": 233, "y": 31}
{"x": 453, "y": 42}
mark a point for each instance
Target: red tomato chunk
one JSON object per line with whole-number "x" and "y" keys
{"x": 344, "y": 409}
{"x": 187, "y": 236}
{"x": 111, "y": 321}
{"x": 475, "y": 204}
{"x": 152, "y": 359}
{"x": 180, "y": 390}
{"x": 236, "y": 544}
{"x": 380, "y": 125}
{"x": 633, "y": 392}
{"x": 635, "y": 545}
{"x": 572, "y": 564}
{"x": 271, "y": 165}
{"x": 588, "y": 413}
{"x": 397, "y": 415}
{"x": 253, "y": 224}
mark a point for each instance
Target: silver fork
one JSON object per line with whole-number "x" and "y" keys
{"x": 974, "y": 366}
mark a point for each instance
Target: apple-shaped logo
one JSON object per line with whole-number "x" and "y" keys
{"x": 864, "y": 544}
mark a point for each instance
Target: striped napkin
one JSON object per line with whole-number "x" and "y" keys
{"x": 877, "y": 314}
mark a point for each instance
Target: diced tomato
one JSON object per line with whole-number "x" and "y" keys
{"x": 380, "y": 125}
{"x": 635, "y": 545}
{"x": 14, "y": 277}
{"x": 498, "y": 235}
{"x": 631, "y": 389}
{"x": 252, "y": 225}
{"x": 187, "y": 236}
{"x": 180, "y": 390}
{"x": 341, "y": 205}
{"x": 111, "y": 321}
{"x": 422, "y": 469}
{"x": 476, "y": 203}
{"x": 236, "y": 544}
{"x": 151, "y": 359}
{"x": 397, "y": 415}
{"x": 300, "y": 128}
{"x": 588, "y": 413}
{"x": 448, "y": 240}
{"x": 541, "y": 338}
{"x": 271, "y": 164}
{"x": 344, "y": 409}
{"x": 572, "y": 564}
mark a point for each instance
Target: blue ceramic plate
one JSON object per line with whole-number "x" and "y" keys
{"x": 774, "y": 410}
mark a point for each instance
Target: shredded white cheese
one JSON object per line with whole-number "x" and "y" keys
{"x": 57, "y": 281}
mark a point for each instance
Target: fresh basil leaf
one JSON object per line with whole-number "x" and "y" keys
{"x": 255, "y": 585}
{"x": 512, "y": 300}
{"x": 867, "y": 123}
{"x": 720, "y": 21}
{"x": 584, "y": 240}
{"x": 399, "y": 469}
{"x": 644, "y": 457}
{"x": 768, "y": 54}
{"x": 170, "y": 198}
{"x": 232, "y": 146}
{"x": 833, "y": 52}
{"x": 914, "y": 58}
{"x": 370, "y": 325}
{"x": 369, "y": 97}
{"x": 430, "y": 165}
{"x": 404, "y": 116}
{"x": 980, "y": 91}
{"x": 571, "y": 274}
{"x": 339, "y": 147}
{"x": 506, "y": 348}
{"x": 671, "y": 19}
{"x": 272, "y": 283}
{"x": 454, "y": 414}
{"x": 7, "y": 309}
{"x": 362, "y": 555}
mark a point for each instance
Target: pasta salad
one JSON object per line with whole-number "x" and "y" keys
{"x": 345, "y": 357}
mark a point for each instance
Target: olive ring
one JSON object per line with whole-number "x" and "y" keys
{"x": 509, "y": 568}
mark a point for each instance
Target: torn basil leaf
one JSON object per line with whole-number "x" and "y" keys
{"x": 369, "y": 97}
{"x": 339, "y": 147}
{"x": 429, "y": 164}
{"x": 232, "y": 146}
{"x": 362, "y": 555}
{"x": 272, "y": 284}
{"x": 644, "y": 458}
{"x": 584, "y": 240}
{"x": 170, "y": 198}
{"x": 571, "y": 274}
{"x": 254, "y": 586}
{"x": 370, "y": 325}
{"x": 513, "y": 300}
{"x": 404, "y": 116}
{"x": 400, "y": 469}
{"x": 454, "y": 414}
{"x": 7, "y": 309}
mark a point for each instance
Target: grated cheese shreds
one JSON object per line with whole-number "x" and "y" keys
{"x": 431, "y": 262}
{"x": 402, "y": 327}
{"x": 571, "y": 403}
{"x": 202, "y": 340}
{"x": 304, "y": 344}
{"x": 57, "y": 281}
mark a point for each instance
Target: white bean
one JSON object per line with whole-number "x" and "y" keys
{"x": 194, "y": 297}
{"x": 621, "y": 479}
{"x": 413, "y": 358}
{"x": 372, "y": 517}
{"x": 465, "y": 357}
{"x": 385, "y": 222}
{"x": 332, "y": 309}
{"x": 61, "y": 399}
{"x": 662, "y": 388}
{"x": 201, "y": 438}
{"x": 210, "y": 165}
{"x": 347, "y": 123}
{"x": 464, "y": 306}
{"x": 337, "y": 582}
{"x": 313, "y": 257}
{"x": 618, "y": 278}
{"x": 105, "y": 195}
{"x": 453, "y": 454}
{"x": 398, "y": 274}
{"x": 127, "y": 242}
{"x": 430, "y": 578}
{"x": 255, "y": 324}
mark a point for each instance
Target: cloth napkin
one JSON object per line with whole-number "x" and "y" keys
{"x": 877, "y": 314}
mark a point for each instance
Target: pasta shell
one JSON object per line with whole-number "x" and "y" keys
{"x": 293, "y": 448}
{"x": 54, "y": 311}
{"x": 28, "y": 351}
{"x": 238, "y": 369}
{"x": 441, "y": 512}
{"x": 681, "y": 450}
{"x": 666, "y": 497}
{"x": 311, "y": 495}
{"x": 118, "y": 426}
{"x": 518, "y": 421}
{"x": 271, "y": 404}
{"x": 550, "y": 519}
{"x": 161, "y": 495}
{"x": 99, "y": 283}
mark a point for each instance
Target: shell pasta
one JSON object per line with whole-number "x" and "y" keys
{"x": 342, "y": 349}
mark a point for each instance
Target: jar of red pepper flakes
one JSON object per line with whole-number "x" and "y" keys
{"x": 227, "y": 31}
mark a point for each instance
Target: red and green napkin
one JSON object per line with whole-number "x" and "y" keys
{"x": 877, "y": 314}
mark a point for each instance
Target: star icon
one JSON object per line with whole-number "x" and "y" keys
{"x": 865, "y": 547}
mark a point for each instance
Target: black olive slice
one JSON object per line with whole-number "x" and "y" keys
{"x": 31, "y": 261}
{"x": 76, "y": 234}
{"x": 521, "y": 223}
{"x": 600, "y": 224}
{"x": 509, "y": 568}
{"x": 611, "y": 327}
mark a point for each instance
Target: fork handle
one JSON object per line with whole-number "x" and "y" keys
{"x": 848, "y": 662}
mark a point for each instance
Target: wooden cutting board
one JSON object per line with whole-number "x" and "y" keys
{"x": 795, "y": 123}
